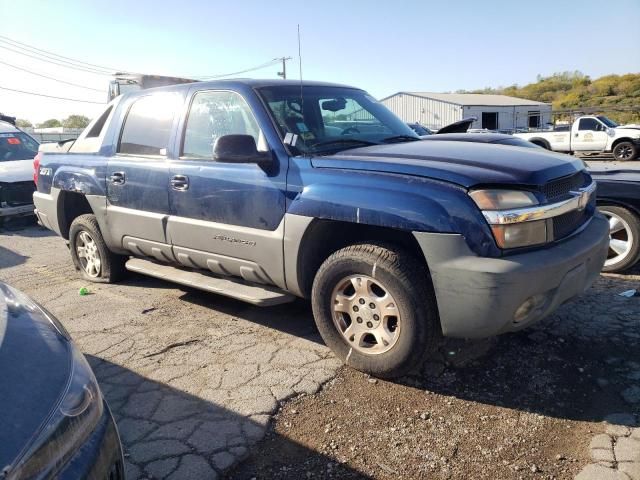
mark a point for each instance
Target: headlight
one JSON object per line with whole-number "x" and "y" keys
{"x": 503, "y": 199}
{"x": 69, "y": 424}
{"x": 511, "y": 235}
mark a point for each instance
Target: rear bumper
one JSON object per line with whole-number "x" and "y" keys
{"x": 46, "y": 206}
{"x": 16, "y": 211}
{"x": 478, "y": 297}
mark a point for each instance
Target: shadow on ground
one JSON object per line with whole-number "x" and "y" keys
{"x": 167, "y": 433}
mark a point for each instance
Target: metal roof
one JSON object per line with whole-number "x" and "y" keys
{"x": 479, "y": 99}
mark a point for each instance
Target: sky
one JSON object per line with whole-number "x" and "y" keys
{"x": 383, "y": 47}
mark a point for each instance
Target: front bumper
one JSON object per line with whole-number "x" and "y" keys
{"x": 478, "y": 297}
{"x": 100, "y": 456}
{"x": 19, "y": 211}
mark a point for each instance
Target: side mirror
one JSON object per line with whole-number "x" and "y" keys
{"x": 238, "y": 149}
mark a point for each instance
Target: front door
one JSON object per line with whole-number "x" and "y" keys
{"x": 591, "y": 135}
{"x": 138, "y": 176}
{"x": 226, "y": 217}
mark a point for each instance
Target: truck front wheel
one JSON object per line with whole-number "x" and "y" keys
{"x": 625, "y": 151}
{"x": 375, "y": 308}
{"x": 90, "y": 253}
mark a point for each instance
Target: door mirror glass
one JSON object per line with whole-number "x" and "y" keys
{"x": 238, "y": 148}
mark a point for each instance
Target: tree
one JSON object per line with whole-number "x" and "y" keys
{"x": 51, "y": 123}
{"x": 75, "y": 121}
{"x": 22, "y": 123}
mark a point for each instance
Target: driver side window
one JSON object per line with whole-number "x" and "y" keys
{"x": 588, "y": 124}
{"x": 214, "y": 114}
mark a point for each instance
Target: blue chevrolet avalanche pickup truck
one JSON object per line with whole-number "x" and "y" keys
{"x": 269, "y": 190}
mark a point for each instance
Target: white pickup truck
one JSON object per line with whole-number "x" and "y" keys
{"x": 590, "y": 134}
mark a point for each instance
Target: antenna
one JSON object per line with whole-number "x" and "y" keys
{"x": 300, "y": 65}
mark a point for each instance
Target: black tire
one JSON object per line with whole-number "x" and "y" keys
{"x": 111, "y": 267}
{"x": 407, "y": 280}
{"x": 625, "y": 151}
{"x": 631, "y": 233}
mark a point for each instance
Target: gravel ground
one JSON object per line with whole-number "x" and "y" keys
{"x": 197, "y": 380}
{"x": 522, "y": 405}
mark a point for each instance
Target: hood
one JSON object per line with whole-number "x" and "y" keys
{"x": 16, "y": 171}
{"x": 35, "y": 361}
{"x": 463, "y": 163}
{"x": 633, "y": 130}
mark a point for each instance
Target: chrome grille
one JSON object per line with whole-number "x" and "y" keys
{"x": 561, "y": 187}
{"x": 565, "y": 224}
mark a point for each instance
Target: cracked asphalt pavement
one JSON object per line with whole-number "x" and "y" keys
{"x": 192, "y": 378}
{"x": 194, "y": 381}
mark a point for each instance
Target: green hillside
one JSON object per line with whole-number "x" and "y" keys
{"x": 573, "y": 90}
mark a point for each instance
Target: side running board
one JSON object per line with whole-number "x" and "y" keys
{"x": 260, "y": 295}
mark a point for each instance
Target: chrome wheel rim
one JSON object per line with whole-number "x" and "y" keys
{"x": 88, "y": 254}
{"x": 366, "y": 314}
{"x": 620, "y": 238}
{"x": 624, "y": 152}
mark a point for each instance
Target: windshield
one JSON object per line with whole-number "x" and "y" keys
{"x": 608, "y": 122}
{"x": 329, "y": 119}
{"x": 17, "y": 146}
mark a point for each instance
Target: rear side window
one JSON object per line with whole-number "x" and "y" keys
{"x": 97, "y": 127}
{"x": 147, "y": 127}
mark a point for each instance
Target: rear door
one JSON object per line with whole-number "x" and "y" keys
{"x": 591, "y": 135}
{"x": 226, "y": 217}
{"x": 138, "y": 175}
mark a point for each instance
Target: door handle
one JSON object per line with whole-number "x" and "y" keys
{"x": 576, "y": 134}
{"x": 180, "y": 182}
{"x": 117, "y": 178}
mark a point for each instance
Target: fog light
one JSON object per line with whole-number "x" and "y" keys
{"x": 529, "y": 306}
{"x": 520, "y": 234}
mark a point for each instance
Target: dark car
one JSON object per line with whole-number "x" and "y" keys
{"x": 617, "y": 197}
{"x": 54, "y": 421}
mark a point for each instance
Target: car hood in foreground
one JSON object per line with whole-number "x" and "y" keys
{"x": 463, "y": 163}
{"x": 16, "y": 171}
{"x": 35, "y": 363}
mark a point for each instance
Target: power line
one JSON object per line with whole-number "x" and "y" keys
{"x": 51, "y": 96}
{"x": 51, "y": 78}
{"x": 72, "y": 67}
{"x": 48, "y": 54}
{"x": 258, "y": 67}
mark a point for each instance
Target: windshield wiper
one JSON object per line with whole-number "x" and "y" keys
{"x": 399, "y": 138}
{"x": 353, "y": 142}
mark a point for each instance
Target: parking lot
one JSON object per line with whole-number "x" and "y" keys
{"x": 194, "y": 381}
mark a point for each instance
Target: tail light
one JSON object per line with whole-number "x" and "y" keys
{"x": 36, "y": 168}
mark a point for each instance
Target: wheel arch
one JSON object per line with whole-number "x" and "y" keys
{"x": 541, "y": 142}
{"x": 617, "y": 141}
{"x": 323, "y": 237}
{"x": 70, "y": 206}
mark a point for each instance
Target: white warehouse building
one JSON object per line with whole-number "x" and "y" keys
{"x": 493, "y": 112}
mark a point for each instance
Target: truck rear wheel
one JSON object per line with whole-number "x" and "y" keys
{"x": 90, "y": 254}
{"x": 624, "y": 238}
{"x": 375, "y": 308}
{"x": 625, "y": 151}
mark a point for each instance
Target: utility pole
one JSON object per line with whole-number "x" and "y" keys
{"x": 283, "y": 73}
